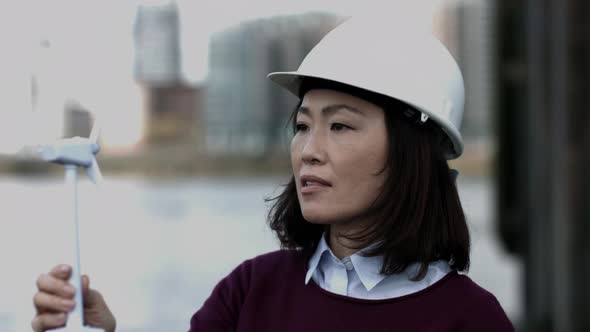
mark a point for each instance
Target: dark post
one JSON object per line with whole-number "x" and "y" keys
{"x": 543, "y": 122}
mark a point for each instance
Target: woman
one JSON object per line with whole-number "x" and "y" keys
{"x": 372, "y": 230}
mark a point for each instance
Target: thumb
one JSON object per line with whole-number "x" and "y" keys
{"x": 91, "y": 296}
{"x": 85, "y": 285}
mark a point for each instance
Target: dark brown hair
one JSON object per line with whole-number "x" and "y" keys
{"x": 418, "y": 214}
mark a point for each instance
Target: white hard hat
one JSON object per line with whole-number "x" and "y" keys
{"x": 411, "y": 66}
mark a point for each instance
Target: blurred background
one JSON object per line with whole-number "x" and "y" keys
{"x": 194, "y": 137}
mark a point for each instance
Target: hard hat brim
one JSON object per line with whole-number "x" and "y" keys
{"x": 290, "y": 80}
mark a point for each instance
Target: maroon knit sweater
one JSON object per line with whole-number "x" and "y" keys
{"x": 268, "y": 294}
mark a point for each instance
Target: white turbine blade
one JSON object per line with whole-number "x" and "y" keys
{"x": 94, "y": 172}
{"x": 28, "y": 152}
{"x": 95, "y": 133}
{"x": 45, "y": 152}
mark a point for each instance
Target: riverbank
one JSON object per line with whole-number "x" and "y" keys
{"x": 185, "y": 160}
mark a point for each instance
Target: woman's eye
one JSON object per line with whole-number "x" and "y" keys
{"x": 300, "y": 127}
{"x": 339, "y": 127}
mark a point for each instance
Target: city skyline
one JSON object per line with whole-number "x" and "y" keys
{"x": 93, "y": 63}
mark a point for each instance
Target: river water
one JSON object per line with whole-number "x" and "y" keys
{"x": 155, "y": 248}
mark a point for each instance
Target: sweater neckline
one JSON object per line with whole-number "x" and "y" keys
{"x": 439, "y": 283}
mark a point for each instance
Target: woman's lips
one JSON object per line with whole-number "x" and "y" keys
{"x": 312, "y": 183}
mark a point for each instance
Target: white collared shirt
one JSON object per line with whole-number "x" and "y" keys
{"x": 359, "y": 277}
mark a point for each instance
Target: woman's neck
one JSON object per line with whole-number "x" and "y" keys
{"x": 339, "y": 244}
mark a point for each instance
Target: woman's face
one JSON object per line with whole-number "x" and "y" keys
{"x": 338, "y": 152}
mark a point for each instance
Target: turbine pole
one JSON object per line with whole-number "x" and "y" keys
{"x": 72, "y": 183}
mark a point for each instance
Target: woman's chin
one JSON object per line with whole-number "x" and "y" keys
{"x": 318, "y": 218}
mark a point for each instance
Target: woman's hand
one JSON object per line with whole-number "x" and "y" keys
{"x": 55, "y": 298}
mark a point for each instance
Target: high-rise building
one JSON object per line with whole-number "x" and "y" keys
{"x": 77, "y": 120}
{"x": 465, "y": 26}
{"x": 172, "y": 107}
{"x": 246, "y": 113}
{"x": 173, "y": 114}
{"x": 157, "y": 44}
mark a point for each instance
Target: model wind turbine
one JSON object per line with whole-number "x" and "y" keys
{"x": 73, "y": 153}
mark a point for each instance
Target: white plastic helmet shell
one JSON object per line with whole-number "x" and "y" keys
{"x": 411, "y": 66}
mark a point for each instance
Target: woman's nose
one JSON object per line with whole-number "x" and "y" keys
{"x": 313, "y": 149}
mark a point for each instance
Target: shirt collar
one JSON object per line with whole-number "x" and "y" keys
{"x": 367, "y": 268}
{"x": 315, "y": 259}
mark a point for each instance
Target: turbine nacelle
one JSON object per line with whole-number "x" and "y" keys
{"x": 78, "y": 151}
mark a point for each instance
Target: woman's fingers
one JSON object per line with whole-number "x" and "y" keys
{"x": 45, "y": 302}
{"x": 48, "y": 321}
{"x": 61, "y": 271}
{"x": 55, "y": 295}
{"x": 55, "y": 298}
{"x": 50, "y": 283}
